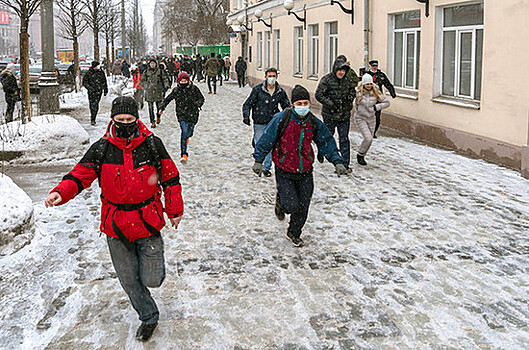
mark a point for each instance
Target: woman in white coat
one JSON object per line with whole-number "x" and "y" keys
{"x": 368, "y": 100}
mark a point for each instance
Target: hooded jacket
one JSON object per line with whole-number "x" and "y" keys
{"x": 95, "y": 81}
{"x": 10, "y": 86}
{"x": 366, "y": 107}
{"x": 128, "y": 177}
{"x": 263, "y": 105}
{"x": 188, "y": 101}
{"x": 336, "y": 95}
{"x": 154, "y": 80}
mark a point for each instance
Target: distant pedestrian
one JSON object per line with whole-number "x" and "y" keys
{"x": 11, "y": 90}
{"x": 336, "y": 94}
{"x": 212, "y": 70}
{"x": 199, "y": 69}
{"x": 132, "y": 167}
{"x": 240, "y": 69}
{"x": 380, "y": 79}
{"x": 125, "y": 69}
{"x": 263, "y": 104}
{"x": 116, "y": 69}
{"x": 188, "y": 102}
{"x": 227, "y": 67}
{"x": 155, "y": 83}
{"x": 289, "y": 136}
{"x": 136, "y": 85}
{"x": 95, "y": 82}
{"x": 369, "y": 100}
{"x": 221, "y": 69}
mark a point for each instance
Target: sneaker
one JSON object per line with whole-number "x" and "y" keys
{"x": 360, "y": 160}
{"x": 215, "y": 93}
{"x": 183, "y": 160}
{"x": 280, "y": 214}
{"x": 209, "y": 93}
{"x": 296, "y": 241}
{"x": 187, "y": 142}
{"x": 320, "y": 157}
{"x": 93, "y": 122}
{"x": 375, "y": 136}
{"x": 158, "y": 119}
{"x": 267, "y": 173}
{"x": 145, "y": 331}
{"x": 153, "y": 125}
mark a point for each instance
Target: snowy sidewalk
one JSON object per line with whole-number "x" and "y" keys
{"x": 420, "y": 249}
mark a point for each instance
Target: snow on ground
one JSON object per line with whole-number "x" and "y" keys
{"x": 16, "y": 217}
{"x": 45, "y": 138}
{"x": 117, "y": 86}
{"x": 422, "y": 249}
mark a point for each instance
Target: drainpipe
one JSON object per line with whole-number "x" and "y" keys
{"x": 366, "y": 33}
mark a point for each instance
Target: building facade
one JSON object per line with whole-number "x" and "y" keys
{"x": 454, "y": 70}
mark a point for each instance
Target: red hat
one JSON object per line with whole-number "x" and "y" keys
{"x": 183, "y": 75}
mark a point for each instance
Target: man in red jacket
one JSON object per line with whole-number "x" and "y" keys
{"x": 132, "y": 166}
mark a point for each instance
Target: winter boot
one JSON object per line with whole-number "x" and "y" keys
{"x": 183, "y": 160}
{"x": 267, "y": 173}
{"x": 360, "y": 160}
{"x": 158, "y": 119}
{"x": 153, "y": 125}
{"x": 320, "y": 157}
{"x": 93, "y": 122}
{"x": 145, "y": 331}
{"x": 296, "y": 241}
{"x": 280, "y": 214}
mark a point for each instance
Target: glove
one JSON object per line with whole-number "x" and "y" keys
{"x": 105, "y": 92}
{"x": 246, "y": 120}
{"x": 340, "y": 169}
{"x": 258, "y": 168}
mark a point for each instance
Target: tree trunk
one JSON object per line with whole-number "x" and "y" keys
{"x": 107, "y": 43}
{"x": 24, "y": 71}
{"x": 76, "y": 72}
{"x": 95, "y": 29}
{"x": 96, "y": 45}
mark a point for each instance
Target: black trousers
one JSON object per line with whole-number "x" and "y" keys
{"x": 295, "y": 193}
{"x": 10, "y": 108}
{"x": 240, "y": 79}
{"x": 94, "y": 98}
{"x": 377, "y": 124}
{"x": 214, "y": 81}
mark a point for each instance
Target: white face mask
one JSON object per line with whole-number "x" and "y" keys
{"x": 152, "y": 65}
{"x": 271, "y": 81}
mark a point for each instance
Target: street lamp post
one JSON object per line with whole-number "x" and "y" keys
{"x": 48, "y": 85}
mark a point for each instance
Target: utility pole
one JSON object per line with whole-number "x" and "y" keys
{"x": 48, "y": 86}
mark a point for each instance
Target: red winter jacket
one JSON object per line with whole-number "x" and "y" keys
{"x": 128, "y": 177}
{"x": 136, "y": 80}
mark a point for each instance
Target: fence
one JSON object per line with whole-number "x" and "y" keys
{"x": 224, "y": 50}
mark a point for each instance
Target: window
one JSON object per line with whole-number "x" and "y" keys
{"x": 314, "y": 50}
{"x": 462, "y": 51}
{"x": 260, "y": 50}
{"x": 298, "y": 50}
{"x": 331, "y": 44}
{"x": 267, "y": 49}
{"x": 276, "y": 48}
{"x": 406, "y": 49}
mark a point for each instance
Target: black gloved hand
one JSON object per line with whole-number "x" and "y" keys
{"x": 246, "y": 120}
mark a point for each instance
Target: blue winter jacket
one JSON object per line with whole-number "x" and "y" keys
{"x": 322, "y": 137}
{"x": 264, "y": 106}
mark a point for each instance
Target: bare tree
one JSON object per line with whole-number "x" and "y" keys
{"x": 110, "y": 16}
{"x": 94, "y": 18}
{"x": 24, "y": 9}
{"x": 72, "y": 24}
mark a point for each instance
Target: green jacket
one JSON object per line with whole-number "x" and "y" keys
{"x": 212, "y": 67}
{"x": 154, "y": 81}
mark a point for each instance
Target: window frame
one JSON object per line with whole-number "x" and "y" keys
{"x": 267, "y": 42}
{"x": 416, "y": 32}
{"x": 259, "y": 40}
{"x": 276, "y": 39}
{"x": 330, "y": 57}
{"x": 299, "y": 41}
{"x": 313, "y": 60}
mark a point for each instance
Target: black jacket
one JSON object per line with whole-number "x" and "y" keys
{"x": 10, "y": 87}
{"x": 240, "y": 67}
{"x": 263, "y": 105}
{"x": 125, "y": 70}
{"x": 95, "y": 81}
{"x": 188, "y": 101}
{"x": 380, "y": 78}
{"x": 336, "y": 95}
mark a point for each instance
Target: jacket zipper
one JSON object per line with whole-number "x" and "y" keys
{"x": 300, "y": 145}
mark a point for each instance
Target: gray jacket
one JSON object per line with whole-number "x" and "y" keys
{"x": 366, "y": 108}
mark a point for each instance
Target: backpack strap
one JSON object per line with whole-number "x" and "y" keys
{"x": 100, "y": 152}
{"x": 282, "y": 127}
{"x": 157, "y": 160}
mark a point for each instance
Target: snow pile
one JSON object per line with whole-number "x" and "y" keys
{"x": 16, "y": 217}
{"x": 45, "y": 138}
{"x": 74, "y": 100}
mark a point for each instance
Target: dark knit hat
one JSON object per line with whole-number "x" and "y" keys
{"x": 183, "y": 75}
{"x": 94, "y": 64}
{"x": 373, "y": 63}
{"x": 299, "y": 93}
{"x": 124, "y": 105}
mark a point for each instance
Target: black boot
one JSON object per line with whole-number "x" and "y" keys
{"x": 360, "y": 160}
{"x": 296, "y": 241}
{"x": 278, "y": 210}
{"x": 145, "y": 331}
{"x": 320, "y": 157}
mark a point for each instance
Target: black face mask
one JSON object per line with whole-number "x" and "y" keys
{"x": 126, "y": 130}
{"x": 183, "y": 85}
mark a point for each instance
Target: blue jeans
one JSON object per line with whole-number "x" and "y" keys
{"x": 258, "y": 131}
{"x": 141, "y": 267}
{"x": 187, "y": 131}
{"x": 343, "y": 134}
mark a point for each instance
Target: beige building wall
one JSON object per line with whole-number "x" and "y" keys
{"x": 498, "y": 123}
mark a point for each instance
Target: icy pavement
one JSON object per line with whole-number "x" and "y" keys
{"x": 421, "y": 249}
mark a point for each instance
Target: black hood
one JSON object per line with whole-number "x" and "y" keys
{"x": 340, "y": 64}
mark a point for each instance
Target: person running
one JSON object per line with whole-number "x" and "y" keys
{"x": 212, "y": 70}
{"x": 95, "y": 82}
{"x": 221, "y": 69}
{"x": 240, "y": 69}
{"x": 188, "y": 102}
{"x": 227, "y": 66}
{"x": 133, "y": 167}
{"x": 136, "y": 85}
{"x": 155, "y": 83}
{"x": 289, "y": 136}
{"x": 11, "y": 90}
{"x": 369, "y": 100}
{"x": 380, "y": 79}
{"x": 263, "y": 103}
{"x": 336, "y": 94}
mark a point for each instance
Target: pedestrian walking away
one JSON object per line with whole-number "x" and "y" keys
{"x": 11, "y": 90}
{"x": 133, "y": 167}
{"x": 369, "y": 100}
{"x": 136, "y": 85}
{"x": 155, "y": 83}
{"x": 212, "y": 70}
{"x": 240, "y": 69}
{"x": 125, "y": 69}
{"x": 336, "y": 94}
{"x": 95, "y": 82}
{"x": 199, "y": 68}
{"x": 221, "y": 69}
{"x": 380, "y": 79}
{"x": 289, "y": 136}
{"x": 263, "y": 104}
{"x": 227, "y": 66}
{"x": 188, "y": 102}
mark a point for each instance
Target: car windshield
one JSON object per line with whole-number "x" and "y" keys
{"x": 35, "y": 69}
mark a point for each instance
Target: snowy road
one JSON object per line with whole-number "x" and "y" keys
{"x": 421, "y": 249}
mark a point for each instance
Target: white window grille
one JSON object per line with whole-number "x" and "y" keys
{"x": 314, "y": 50}
{"x": 331, "y": 44}
{"x": 298, "y": 50}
